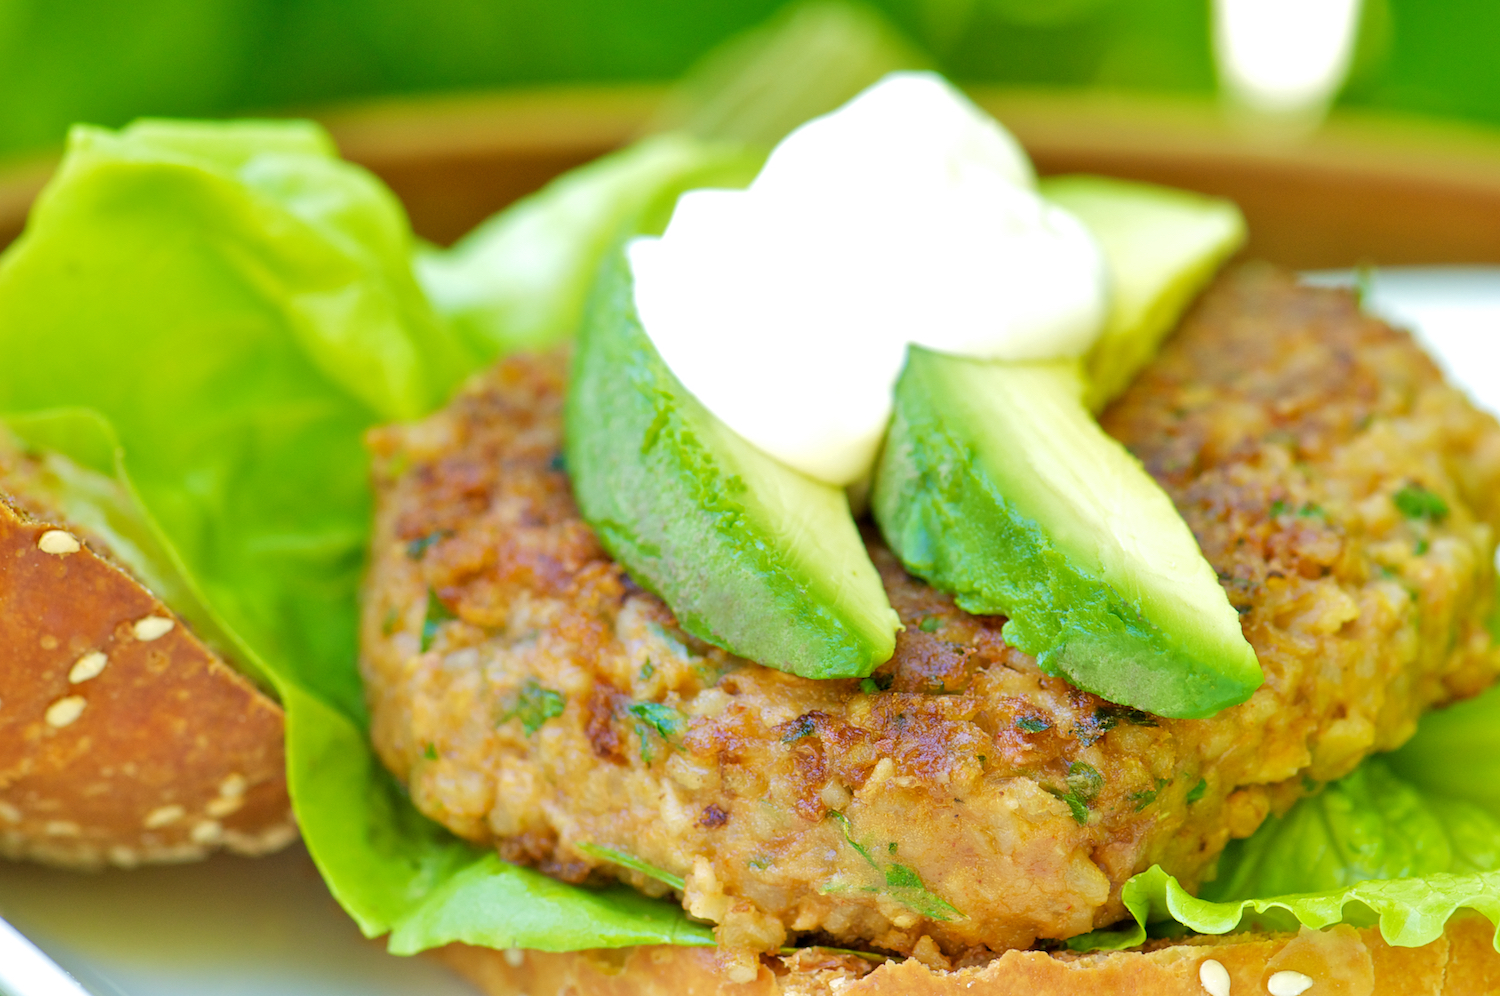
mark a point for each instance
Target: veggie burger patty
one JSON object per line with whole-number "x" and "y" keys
{"x": 534, "y": 698}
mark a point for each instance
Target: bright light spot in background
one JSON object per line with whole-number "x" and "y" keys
{"x": 1284, "y": 57}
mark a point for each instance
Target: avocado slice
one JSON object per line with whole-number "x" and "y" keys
{"x": 750, "y": 555}
{"x": 1162, "y": 246}
{"x": 997, "y": 484}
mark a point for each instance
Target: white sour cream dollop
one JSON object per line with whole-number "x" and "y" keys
{"x": 906, "y": 216}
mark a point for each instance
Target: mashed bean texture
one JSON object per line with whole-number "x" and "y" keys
{"x": 534, "y": 699}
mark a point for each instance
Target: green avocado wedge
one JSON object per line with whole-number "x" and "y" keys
{"x": 752, "y": 556}
{"x": 997, "y": 485}
{"x": 1162, "y": 246}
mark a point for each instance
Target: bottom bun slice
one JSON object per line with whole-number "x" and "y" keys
{"x": 1339, "y": 959}
{"x": 123, "y": 738}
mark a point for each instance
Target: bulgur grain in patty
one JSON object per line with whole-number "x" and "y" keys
{"x": 533, "y": 698}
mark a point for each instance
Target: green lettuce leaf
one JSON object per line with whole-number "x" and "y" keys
{"x": 1405, "y": 841}
{"x": 238, "y": 304}
{"x": 1456, "y": 752}
{"x": 519, "y": 281}
{"x": 223, "y": 310}
{"x": 539, "y": 913}
{"x": 1369, "y": 825}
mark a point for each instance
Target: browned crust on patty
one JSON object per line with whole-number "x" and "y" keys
{"x": 159, "y": 751}
{"x": 1342, "y": 960}
{"x": 1280, "y": 420}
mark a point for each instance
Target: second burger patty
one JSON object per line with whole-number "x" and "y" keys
{"x": 535, "y": 699}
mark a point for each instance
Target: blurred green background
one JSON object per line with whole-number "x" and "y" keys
{"x": 107, "y": 62}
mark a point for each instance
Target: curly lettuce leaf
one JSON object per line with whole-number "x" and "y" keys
{"x": 1405, "y": 841}
{"x": 1410, "y": 912}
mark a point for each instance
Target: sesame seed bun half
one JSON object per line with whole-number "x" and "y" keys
{"x": 1337, "y": 960}
{"x": 124, "y": 739}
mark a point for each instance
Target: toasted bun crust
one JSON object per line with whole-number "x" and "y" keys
{"x": 1340, "y": 959}
{"x": 123, "y": 739}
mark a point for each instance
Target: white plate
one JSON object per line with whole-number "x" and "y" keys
{"x": 223, "y": 927}
{"x": 1454, "y": 311}
{"x": 237, "y": 927}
